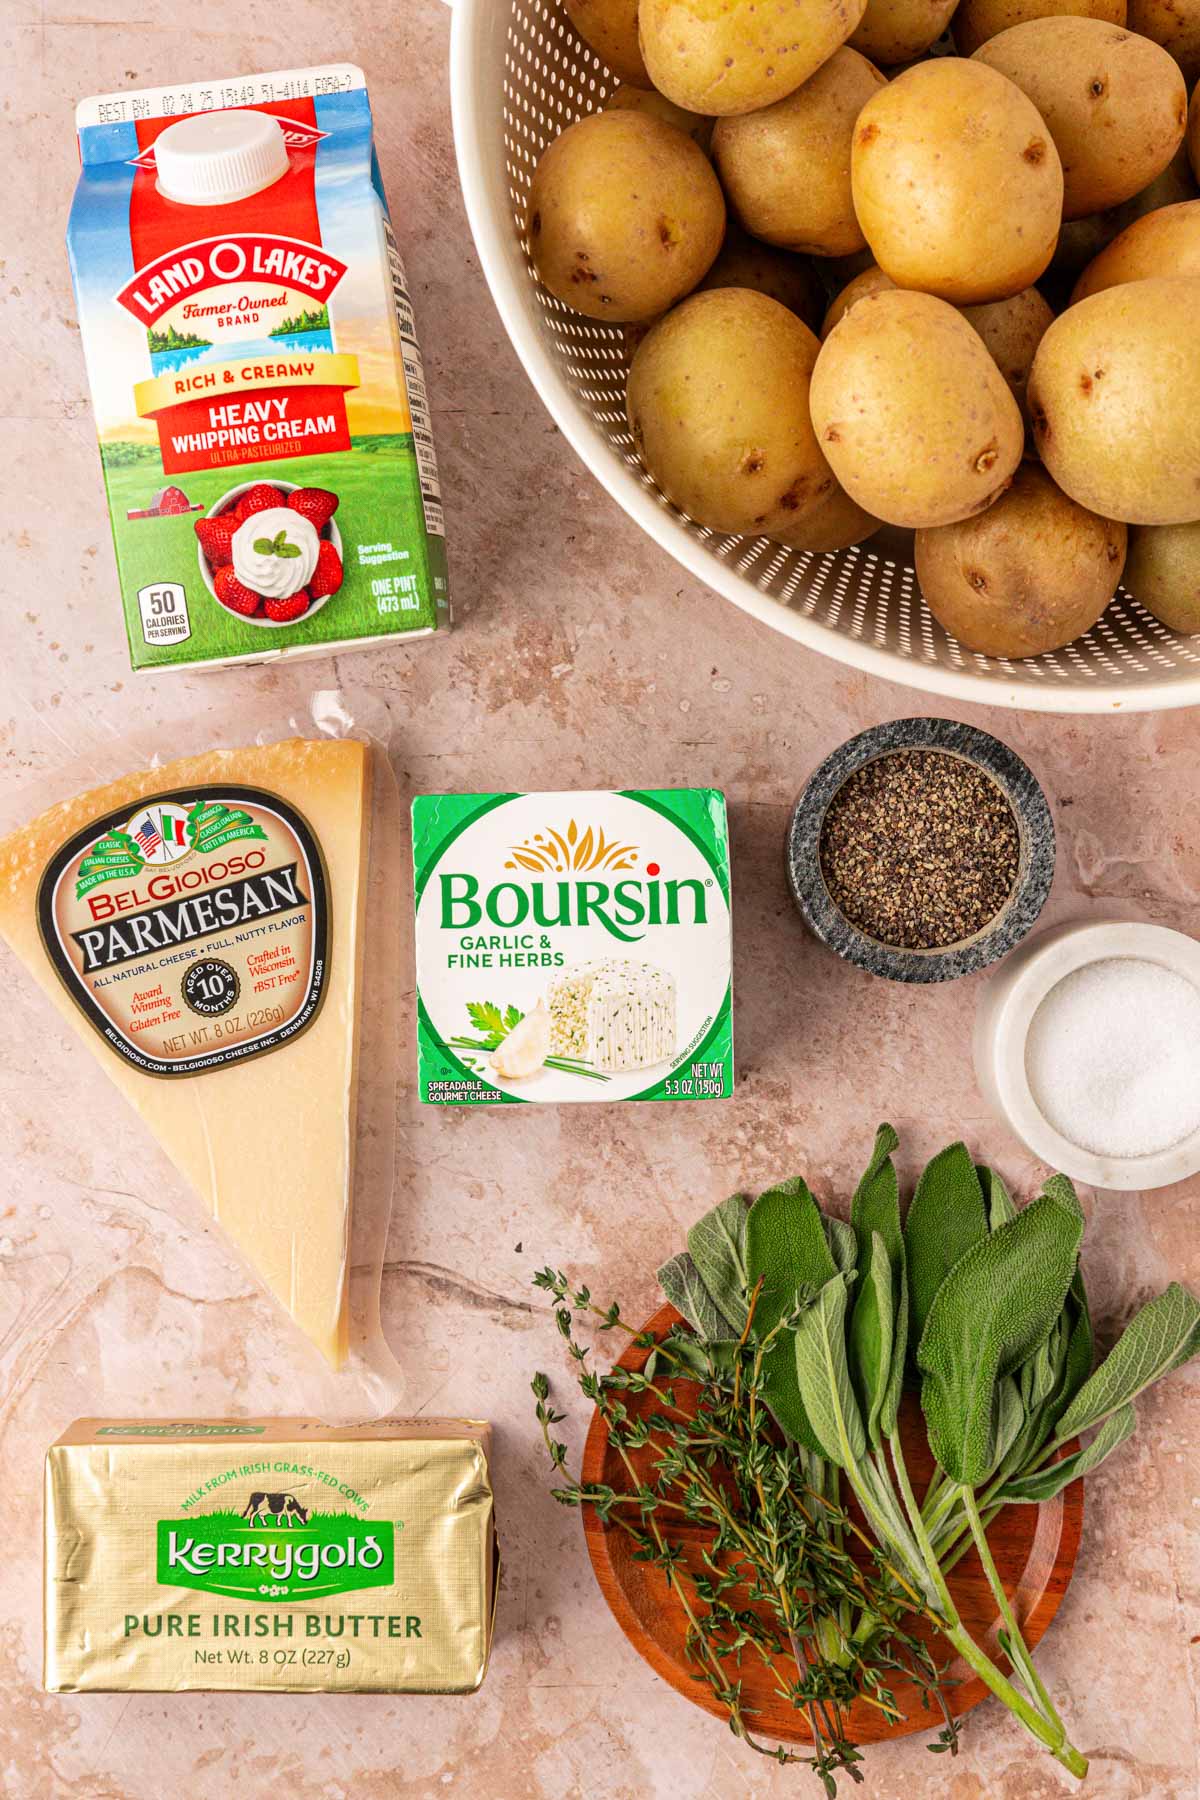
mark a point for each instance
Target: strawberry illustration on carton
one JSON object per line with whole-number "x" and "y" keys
{"x": 252, "y": 358}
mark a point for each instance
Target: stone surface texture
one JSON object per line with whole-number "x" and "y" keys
{"x": 582, "y": 656}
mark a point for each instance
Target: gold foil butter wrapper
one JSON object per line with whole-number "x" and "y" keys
{"x": 278, "y": 1555}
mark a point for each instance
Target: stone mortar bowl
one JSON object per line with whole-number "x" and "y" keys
{"x": 1001, "y": 934}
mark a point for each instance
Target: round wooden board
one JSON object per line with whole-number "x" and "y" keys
{"x": 1034, "y": 1548}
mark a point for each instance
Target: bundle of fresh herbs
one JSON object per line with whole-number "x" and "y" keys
{"x": 803, "y": 1332}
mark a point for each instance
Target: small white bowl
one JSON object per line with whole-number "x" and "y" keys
{"x": 1006, "y": 1009}
{"x": 218, "y": 506}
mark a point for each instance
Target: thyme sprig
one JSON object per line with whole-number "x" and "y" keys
{"x": 748, "y": 1531}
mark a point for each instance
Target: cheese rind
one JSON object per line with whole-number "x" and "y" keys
{"x": 264, "y": 1131}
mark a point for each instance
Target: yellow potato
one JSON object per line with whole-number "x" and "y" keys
{"x": 1114, "y": 395}
{"x": 871, "y": 281}
{"x": 733, "y": 56}
{"x": 792, "y": 280}
{"x": 786, "y": 168}
{"x": 1163, "y": 573}
{"x": 625, "y": 216}
{"x": 834, "y": 524}
{"x": 1032, "y": 573}
{"x": 1166, "y": 242}
{"x": 1193, "y": 133}
{"x": 610, "y": 28}
{"x": 1115, "y": 103}
{"x": 978, "y": 20}
{"x": 1012, "y": 330}
{"x": 956, "y": 182}
{"x": 1082, "y": 239}
{"x": 898, "y": 31}
{"x": 1175, "y": 24}
{"x": 628, "y": 98}
{"x": 718, "y": 408}
{"x": 917, "y": 421}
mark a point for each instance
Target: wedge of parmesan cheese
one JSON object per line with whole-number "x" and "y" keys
{"x": 201, "y": 927}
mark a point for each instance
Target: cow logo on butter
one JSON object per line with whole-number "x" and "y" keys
{"x": 276, "y": 1547}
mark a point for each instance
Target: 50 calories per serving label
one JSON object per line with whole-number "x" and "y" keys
{"x": 193, "y": 932}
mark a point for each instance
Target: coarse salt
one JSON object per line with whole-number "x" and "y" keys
{"x": 1113, "y": 1057}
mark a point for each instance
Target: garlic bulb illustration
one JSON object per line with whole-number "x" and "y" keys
{"x": 525, "y": 1049}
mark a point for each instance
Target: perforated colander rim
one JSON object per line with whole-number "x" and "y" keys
{"x": 1062, "y": 682}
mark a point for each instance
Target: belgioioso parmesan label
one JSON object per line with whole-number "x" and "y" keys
{"x": 192, "y": 932}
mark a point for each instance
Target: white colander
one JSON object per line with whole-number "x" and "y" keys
{"x": 519, "y": 75}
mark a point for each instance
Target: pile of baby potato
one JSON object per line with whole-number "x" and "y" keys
{"x": 999, "y": 249}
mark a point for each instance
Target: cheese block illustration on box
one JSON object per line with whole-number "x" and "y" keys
{"x": 200, "y": 925}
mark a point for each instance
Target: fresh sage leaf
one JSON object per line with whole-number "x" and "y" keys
{"x": 1061, "y": 1190}
{"x": 994, "y": 1308}
{"x": 871, "y": 1336}
{"x": 703, "y": 1359}
{"x": 890, "y": 1411}
{"x": 1039, "y": 1374}
{"x": 1159, "y": 1338}
{"x": 1043, "y": 1484}
{"x": 786, "y": 1248}
{"x": 1000, "y": 1204}
{"x": 876, "y": 1203}
{"x": 945, "y": 1219}
{"x": 1009, "y": 1417}
{"x": 843, "y": 1245}
{"x": 680, "y": 1281}
{"x": 879, "y": 1322}
{"x": 1077, "y": 1360}
{"x": 823, "y": 1374}
{"x": 717, "y": 1245}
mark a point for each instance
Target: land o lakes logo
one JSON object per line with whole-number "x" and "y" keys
{"x": 277, "y": 1548}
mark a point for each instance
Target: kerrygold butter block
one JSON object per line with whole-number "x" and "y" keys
{"x": 269, "y": 1555}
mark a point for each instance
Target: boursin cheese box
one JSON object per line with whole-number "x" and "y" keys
{"x": 573, "y": 946}
{"x": 269, "y": 1554}
{"x": 255, "y": 376}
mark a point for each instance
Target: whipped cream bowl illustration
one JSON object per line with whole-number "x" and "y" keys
{"x": 273, "y": 553}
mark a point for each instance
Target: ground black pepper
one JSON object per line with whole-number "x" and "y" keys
{"x": 919, "y": 849}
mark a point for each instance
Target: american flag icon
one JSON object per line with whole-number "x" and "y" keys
{"x": 149, "y": 836}
{"x": 159, "y": 833}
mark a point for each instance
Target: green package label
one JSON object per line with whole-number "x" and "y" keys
{"x": 573, "y": 946}
{"x": 275, "y": 1550}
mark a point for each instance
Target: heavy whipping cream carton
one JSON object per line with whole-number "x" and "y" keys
{"x": 254, "y": 369}
{"x": 573, "y": 946}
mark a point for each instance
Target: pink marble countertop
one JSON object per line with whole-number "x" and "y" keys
{"x": 582, "y": 656}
